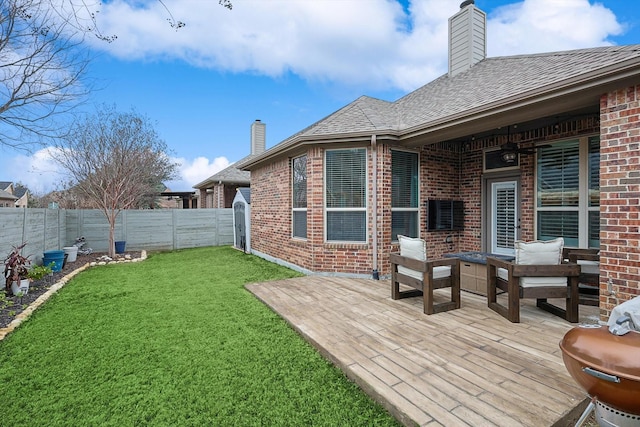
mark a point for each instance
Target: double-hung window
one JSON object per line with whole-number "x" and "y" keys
{"x": 299, "y": 195}
{"x": 568, "y": 192}
{"x": 404, "y": 194}
{"x": 346, "y": 195}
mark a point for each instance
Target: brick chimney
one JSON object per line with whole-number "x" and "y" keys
{"x": 467, "y": 38}
{"x": 258, "y": 137}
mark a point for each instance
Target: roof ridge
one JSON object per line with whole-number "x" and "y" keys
{"x": 572, "y": 52}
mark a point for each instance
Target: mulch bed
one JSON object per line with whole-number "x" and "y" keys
{"x": 11, "y": 306}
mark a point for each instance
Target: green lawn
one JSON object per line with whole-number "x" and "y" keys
{"x": 175, "y": 340}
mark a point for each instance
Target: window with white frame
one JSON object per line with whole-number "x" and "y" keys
{"x": 404, "y": 194}
{"x": 346, "y": 195}
{"x": 299, "y": 195}
{"x": 568, "y": 192}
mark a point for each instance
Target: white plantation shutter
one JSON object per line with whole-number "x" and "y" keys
{"x": 594, "y": 192}
{"x": 505, "y": 224}
{"x": 568, "y": 192}
{"x": 558, "y": 174}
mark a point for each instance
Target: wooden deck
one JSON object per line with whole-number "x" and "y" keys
{"x": 462, "y": 367}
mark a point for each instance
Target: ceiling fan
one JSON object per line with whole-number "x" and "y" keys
{"x": 510, "y": 149}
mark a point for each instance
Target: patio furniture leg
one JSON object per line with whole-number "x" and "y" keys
{"x": 427, "y": 294}
{"x": 513, "y": 314}
{"x": 573, "y": 300}
{"x": 395, "y": 286}
{"x": 492, "y": 289}
{"x": 455, "y": 288}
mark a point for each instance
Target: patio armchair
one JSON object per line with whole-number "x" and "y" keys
{"x": 537, "y": 272}
{"x": 410, "y": 267}
{"x": 589, "y": 280}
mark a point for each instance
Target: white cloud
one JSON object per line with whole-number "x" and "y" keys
{"x": 191, "y": 172}
{"x": 550, "y": 25}
{"x": 371, "y": 44}
{"x": 37, "y": 171}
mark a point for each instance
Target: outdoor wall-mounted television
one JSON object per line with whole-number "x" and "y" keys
{"x": 445, "y": 215}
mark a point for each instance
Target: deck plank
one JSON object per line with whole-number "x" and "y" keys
{"x": 466, "y": 366}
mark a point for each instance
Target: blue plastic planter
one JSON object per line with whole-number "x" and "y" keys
{"x": 57, "y": 257}
{"x": 120, "y": 245}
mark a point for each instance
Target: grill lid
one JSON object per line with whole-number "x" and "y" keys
{"x": 599, "y": 349}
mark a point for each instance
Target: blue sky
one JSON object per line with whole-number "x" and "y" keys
{"x": 290, "y": 63}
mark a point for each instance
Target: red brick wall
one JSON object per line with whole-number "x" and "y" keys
{"x": 440, "y": 176}
{"x": 619, "y": 197}
{"x": 271, "y": 212}
{"x": 220, "y": 196}
{"x": 453, "y": 171}
{"x": 203, "y": 199}
{"x": 271, "y": 221}
{"x": 209, "y": 199}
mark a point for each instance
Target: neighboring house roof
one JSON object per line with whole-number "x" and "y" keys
{"x": 6, "y": 195}
{"x": 20, "y": 192}
{"x": 5, "y": 185}
{"x": 229, "y": 175}
{"x": 492, "y": 93}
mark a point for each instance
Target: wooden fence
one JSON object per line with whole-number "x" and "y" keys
{"x": 151, "y": 230}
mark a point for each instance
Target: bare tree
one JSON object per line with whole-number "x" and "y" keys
{"x": 43, "y": 59}
{"x": 42, "y": 63}
{"x": 115, "y": 160}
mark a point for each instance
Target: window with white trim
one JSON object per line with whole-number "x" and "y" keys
{"x": 404, "y": 194}
{"x": 299, "y": 196}
{"x": 346, "y": 195}
{"x": 568, "y": 192}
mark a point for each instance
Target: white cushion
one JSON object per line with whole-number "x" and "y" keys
{"x": 527, "y": 282}
{"x": 412, "y": 248}
{"x": 589, "y": 267}
{"x": 441, "y": 271}
{"x": 532, "y": 282}
{"x": 416, "y": 248}
{"x": 539, "y": 252}
{"x": 547, "y": 252}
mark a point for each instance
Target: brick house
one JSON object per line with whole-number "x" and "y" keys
{"x": 535, "y": 147}
{"x": 219, "y": 189}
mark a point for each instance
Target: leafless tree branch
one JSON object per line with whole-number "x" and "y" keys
{"x": 42, "y": 64}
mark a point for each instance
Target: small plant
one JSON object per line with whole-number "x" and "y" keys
{"x": 16, "y": 266}
{"x": 38, "y": 272}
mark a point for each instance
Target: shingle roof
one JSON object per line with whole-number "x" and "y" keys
{"x": 19, "y": 191}
{"x": 495, "y": 79}
{"x": 489, "y": 82}
{"x": 6, "y": 195}
{"x": 246, "y": 193}
{"x": 363, "y": 114}
{"x": 230, "y": 174}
